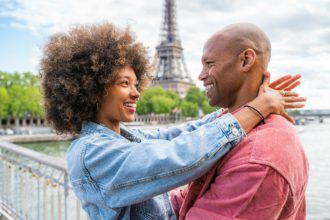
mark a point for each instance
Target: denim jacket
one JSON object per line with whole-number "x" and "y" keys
{"x": 127, "y": 176}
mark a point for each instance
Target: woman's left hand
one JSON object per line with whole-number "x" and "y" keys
{"x": 280, "y": 95}
{"x": 286, "y": 83}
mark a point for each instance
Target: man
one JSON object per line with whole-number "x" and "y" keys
{"x": 265, "y": 176}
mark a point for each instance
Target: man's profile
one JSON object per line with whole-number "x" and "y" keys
{"x": 265, "y": 176}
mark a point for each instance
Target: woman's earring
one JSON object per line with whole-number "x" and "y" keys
{"x": 97, "y": 107}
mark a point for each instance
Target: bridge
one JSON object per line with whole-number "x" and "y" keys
{"x": 306, "y": 116}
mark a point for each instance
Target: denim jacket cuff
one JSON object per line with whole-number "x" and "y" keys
{"x": 231, "y": 128}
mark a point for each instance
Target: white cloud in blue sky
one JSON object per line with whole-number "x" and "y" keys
{"x": 299, "y": 31}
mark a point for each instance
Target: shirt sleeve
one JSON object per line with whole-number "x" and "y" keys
{"x": 177, "y": 197}
{"x": 128, "y": 172}
{"x": 174, "y": 131}
{"x": 250, "y": 191}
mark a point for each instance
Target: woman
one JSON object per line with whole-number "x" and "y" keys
{"x": 91, "y": 80}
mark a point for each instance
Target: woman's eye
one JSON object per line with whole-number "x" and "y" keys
{"x": 125, "y": 83}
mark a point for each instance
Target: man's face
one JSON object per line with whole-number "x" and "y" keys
{"x": 220, "y": 73}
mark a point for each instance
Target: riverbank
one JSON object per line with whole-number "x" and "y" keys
{"x": 35, "y": 138}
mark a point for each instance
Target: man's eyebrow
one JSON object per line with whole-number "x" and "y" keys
{"x": 204, "y": 58}
{"x": 207, "y": 59}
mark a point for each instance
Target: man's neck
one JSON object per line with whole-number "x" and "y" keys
{"x": 246, "y": 93}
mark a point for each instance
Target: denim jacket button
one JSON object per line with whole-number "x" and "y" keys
{"x": 234, "y": 131}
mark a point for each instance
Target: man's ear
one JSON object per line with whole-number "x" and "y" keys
{"x": 247, "y": 58}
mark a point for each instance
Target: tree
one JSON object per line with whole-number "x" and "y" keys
{"x": 162, "y": 104}
{"x": 189, "y": 109}
{"x": 20, "y": 95}
{"x": 195, "y": 95}
{"x": 19, "y": 101}
{"x": 174, "y": 96}
{"x": 143, "y": 107}
{"x": 206, "y": 108}
{"x": 157, "y": 100}
{"x": 34, "y": 105}
{"x": 4, "y": 102}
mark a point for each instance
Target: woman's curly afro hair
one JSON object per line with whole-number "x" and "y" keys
{"x": 78, "y": 66}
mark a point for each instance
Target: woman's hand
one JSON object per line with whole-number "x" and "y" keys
{"x": 286, "y": 82}
{"x": 279, "y": 94}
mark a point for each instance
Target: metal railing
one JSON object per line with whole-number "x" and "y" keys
{"x": 35, "y": 186}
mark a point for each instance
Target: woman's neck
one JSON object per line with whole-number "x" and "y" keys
{"x": 111, "y": 124}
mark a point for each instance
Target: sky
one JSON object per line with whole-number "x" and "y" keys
{"x": 298, "y": 29}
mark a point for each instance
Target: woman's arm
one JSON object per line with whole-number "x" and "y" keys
{"x": 129, "y": 172}
{"x": 174, "y": 131}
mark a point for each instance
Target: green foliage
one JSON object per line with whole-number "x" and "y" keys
{"x": 157, "y": 100}
{"x": 195, "y": 95}
{"x": 143, "y": 107}
{"x": 19, "y": 101}
{"x": 189, "y": 109}
{"x": 4, "y": 103}
{"x": 162, "y": 104}
{"x": 173, "y": 96}
{"x": 19, "y": 95}
{"x": 22, "y": 79}
{"x": 206, "y": 108}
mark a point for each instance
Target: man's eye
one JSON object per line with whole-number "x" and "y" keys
{"x": 209, "y": 64}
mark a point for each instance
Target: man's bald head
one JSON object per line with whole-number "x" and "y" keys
{"x": 234, "y": 60}
{"x": 241, "y": 36}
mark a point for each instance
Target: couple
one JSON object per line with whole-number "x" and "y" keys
{"x": 91, "y": 80}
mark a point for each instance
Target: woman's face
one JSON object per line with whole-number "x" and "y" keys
{"x": 119, "y": 101}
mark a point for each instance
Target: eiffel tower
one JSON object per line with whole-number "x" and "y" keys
{"x": 171, "y": 71}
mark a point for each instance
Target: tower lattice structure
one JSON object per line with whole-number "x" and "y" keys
{"x": 171, "y": 71}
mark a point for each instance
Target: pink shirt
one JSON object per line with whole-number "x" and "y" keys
{"x": 263, "y": 177}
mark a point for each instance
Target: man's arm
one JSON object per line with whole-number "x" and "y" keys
{"x": 249, "y": 191}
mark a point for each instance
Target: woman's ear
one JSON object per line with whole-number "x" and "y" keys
{"x": 248, "y": 58}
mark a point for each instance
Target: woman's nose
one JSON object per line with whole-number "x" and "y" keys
{"x": 135, "y": 93}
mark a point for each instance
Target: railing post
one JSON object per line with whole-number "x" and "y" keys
{"x": 66, "y": 192}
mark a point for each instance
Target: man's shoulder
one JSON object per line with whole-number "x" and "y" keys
{"x": 266, "y": 139}
{"x": 276, "y": 132}
{"x": 275, "y": 123}
{"x": 275, "y": 139}
{"x": 275, "y": 144}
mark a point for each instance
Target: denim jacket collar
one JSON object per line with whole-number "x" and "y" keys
{"x": 91, "y": 127}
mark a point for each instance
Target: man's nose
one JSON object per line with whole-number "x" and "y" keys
{"x": 202, "y": 76}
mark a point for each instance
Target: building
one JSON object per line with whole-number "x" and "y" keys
{"x": 171, "y": 71}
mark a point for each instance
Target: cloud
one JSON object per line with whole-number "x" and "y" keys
{"x": 299, "y": 29}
